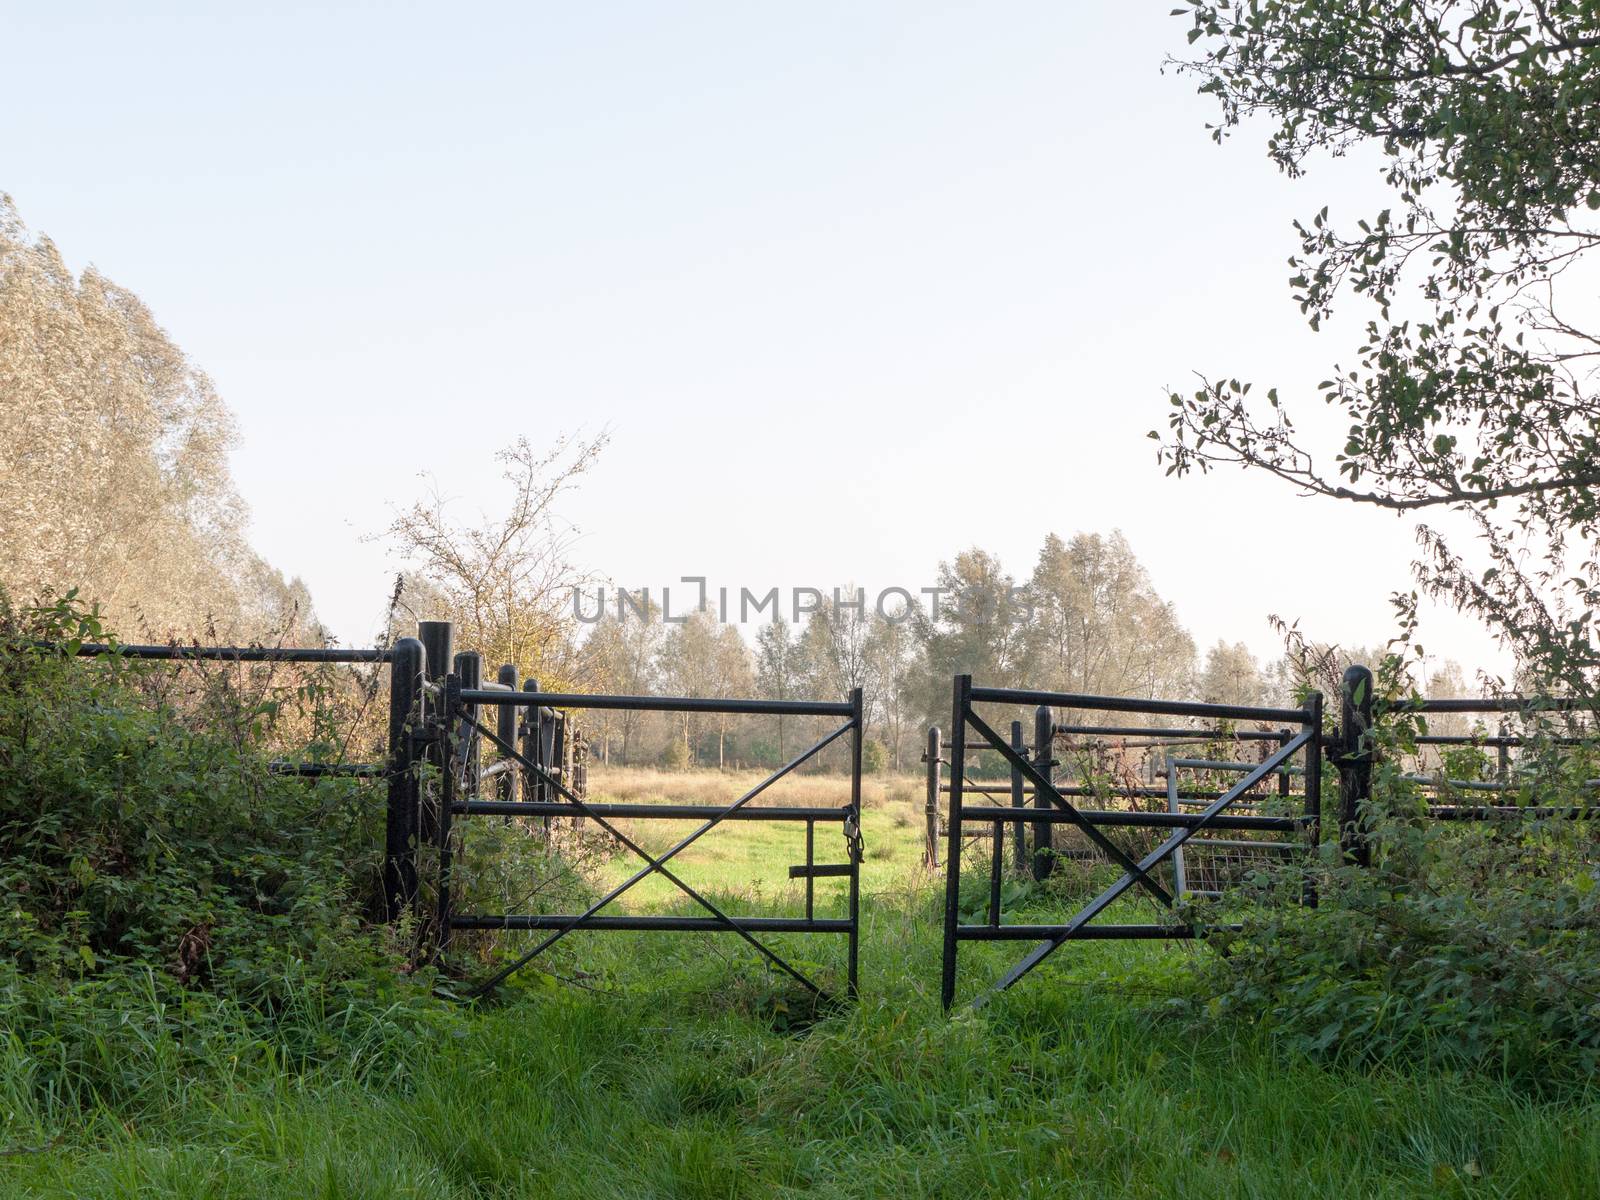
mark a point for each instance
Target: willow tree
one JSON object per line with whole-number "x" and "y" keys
{"x": 115, "y": 461}
{"x": 1473, "y": 388}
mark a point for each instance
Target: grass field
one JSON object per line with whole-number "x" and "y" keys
{"x": 677, "y": 1066}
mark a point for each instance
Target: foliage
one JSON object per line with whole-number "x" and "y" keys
{"x": 1473, "y": 391}
{"x": 675, "y": 755}
{"x": 688, "y": 1086}
{"x": 874, "y": 757}
{"x": 1464, "y": 943}
{"x": 116, "y": 464}
{"x": 137, "y": 835}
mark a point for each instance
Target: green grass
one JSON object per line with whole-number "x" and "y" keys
{"x": 677, "y": 1066}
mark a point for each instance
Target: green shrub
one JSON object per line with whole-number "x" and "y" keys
{"x": 874, "y": 757}
{"x": 1463, "y": 944}
{"x": 136, "y": 835}
{"x": 675, "y": 757}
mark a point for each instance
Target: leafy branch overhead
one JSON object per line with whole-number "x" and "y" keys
{"x": 1473, "y": 386}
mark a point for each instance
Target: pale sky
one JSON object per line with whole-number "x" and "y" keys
{"x": 853, "y": 286}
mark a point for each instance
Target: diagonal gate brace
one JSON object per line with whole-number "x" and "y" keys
{"x": 1179, "y": 836}
{"x": 653, "y": 865}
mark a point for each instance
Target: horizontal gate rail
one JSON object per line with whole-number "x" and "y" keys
{"x": 252, "y": 654}
{"x": 463, "y": 703}
{"x": 663, "y": 812}
{"x": 1136, "y": 873}
{"x": 1168, "y": 731}
{"x": 640, "y": 923}
{"x": 581, "y": 700}
{"x": 1133, "y": 704}
{"x": 1130, "y": 818}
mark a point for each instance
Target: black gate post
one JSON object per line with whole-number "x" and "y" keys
{"x": 532, "y": 785}
{"x": 452, "y": 711}
{"x": 1355, "y": 764}
{"x": 505, "y": 786}
{"x": 400, "y": 825}
{"x": 930, "y": 836}
{"x": 961, "y": 703}
{"x": 469, "y": 666}
{"x": 853, "y": 834}
{"x": 438, "y": 644}
{"x": 1313, "y": 812}
{"x": 1019, "y": 838}
{"x": 1044, "y": 742}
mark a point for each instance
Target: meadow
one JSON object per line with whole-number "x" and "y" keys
{"x": 677, "y": 1066}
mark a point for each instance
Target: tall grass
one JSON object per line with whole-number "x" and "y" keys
{"x": 676, "y": 1066}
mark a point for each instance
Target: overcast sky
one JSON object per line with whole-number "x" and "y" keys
{"x": 853, "y": 286}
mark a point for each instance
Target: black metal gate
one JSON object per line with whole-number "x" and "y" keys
{"x": 551, "y": 796}
{"x": 1053, "y": 807}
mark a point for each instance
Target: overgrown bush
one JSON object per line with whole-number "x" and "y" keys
{"x": 136, "y": 835}
{"x": 1465, "y": 943}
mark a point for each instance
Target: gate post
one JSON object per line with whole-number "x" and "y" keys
{"x": 505, "y": 786}
{"x": 1355, "y": 764}
{"x": 532, "y": 786}
{"x": 853, "y": 835}
{"x": 961, "y": 704}
{"x": 1019, "y": 843}
{"x": 930, "y": 834}
{"x": 451, "y": 709}
{"x": 1044, "y": 741}
{"x": 400, "y": 825}
{"x": 438, "y": 644}
{"x": 1313, "y": 789}
{"x": 469, "y": 667}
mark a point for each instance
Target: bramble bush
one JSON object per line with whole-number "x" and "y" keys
{"x": 135, "y": 836}
{"x": 1465, "y": 943}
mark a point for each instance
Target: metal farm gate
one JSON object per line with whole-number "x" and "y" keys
{"x": 550, "y": 796}
{"x": 1219, "y": 811}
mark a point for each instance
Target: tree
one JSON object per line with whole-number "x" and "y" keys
{"x": 1097, "y": 625}
{"x": 780, "y": 668}
{"x": 973, "y": 627}
{"x": 702, "y": 657}
{"x": 507, "y": 581}
{"x": 1231, "y": 675}
{"x": 621, "y": 655}
{"x": 115, "y": 462}
{"x": 891, "y": 650}
{"x": 1474, "y": 388}
{"x": 732, "y": 675}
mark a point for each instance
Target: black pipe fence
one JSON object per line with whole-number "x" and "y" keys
{"x": 1353, "y": 755}
{"x": 1038, "y": 833}
{"x": 435, "y": 772}
{"x": 417, "y": 667}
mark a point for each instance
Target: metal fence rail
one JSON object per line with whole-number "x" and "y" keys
{"x": 1354, "y": 756}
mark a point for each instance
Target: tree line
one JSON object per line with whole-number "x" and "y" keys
{"x": 1086, "y": 618}
{"x": 118, "y": 485}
